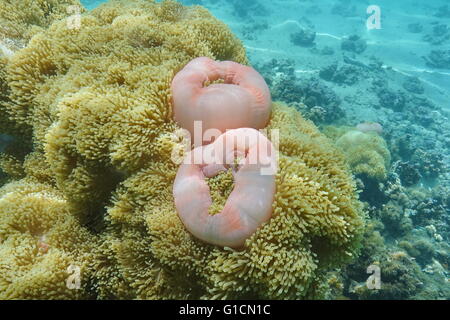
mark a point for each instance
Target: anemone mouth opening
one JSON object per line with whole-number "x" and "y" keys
{"x": 208, "y": 82}
{"x": 220, "y": 187}
{"x": 235, "y": 160}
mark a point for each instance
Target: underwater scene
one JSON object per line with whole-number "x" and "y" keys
{"x": 212, "y": 149}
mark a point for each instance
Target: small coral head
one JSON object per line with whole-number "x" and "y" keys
{"x": 242, "y": 99}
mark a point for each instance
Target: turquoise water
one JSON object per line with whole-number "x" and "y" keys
{"x": 394, "y": 44}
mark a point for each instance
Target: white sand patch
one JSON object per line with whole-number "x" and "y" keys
{"x": 321, "y": 34}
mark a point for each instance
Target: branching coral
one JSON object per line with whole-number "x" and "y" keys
{"x": 98, "y": 183}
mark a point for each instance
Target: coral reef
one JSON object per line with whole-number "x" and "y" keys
{"x": 438, "y": 59}
{"x": 344, "y": 75}
{"x": 314, "y": 93}
{"x": 95, "y": 103}
{"x": 312, "y": 97}
{"x": 410, "y": 206}
{"x": 408, "y": 173}
{"x": 392, "y": 99}
{"x": 303, "y": 38}
{"x": 439, "y": 34}
{"x": 413, "y": 85}
{"x": 413, "y": 269}
{"x": 354, "y": 43}
{"x": 394, "y": 219}
{"x": 430, "y": 164}
{"x": 366, "y": 153}
{"x": 406, "y": 233}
